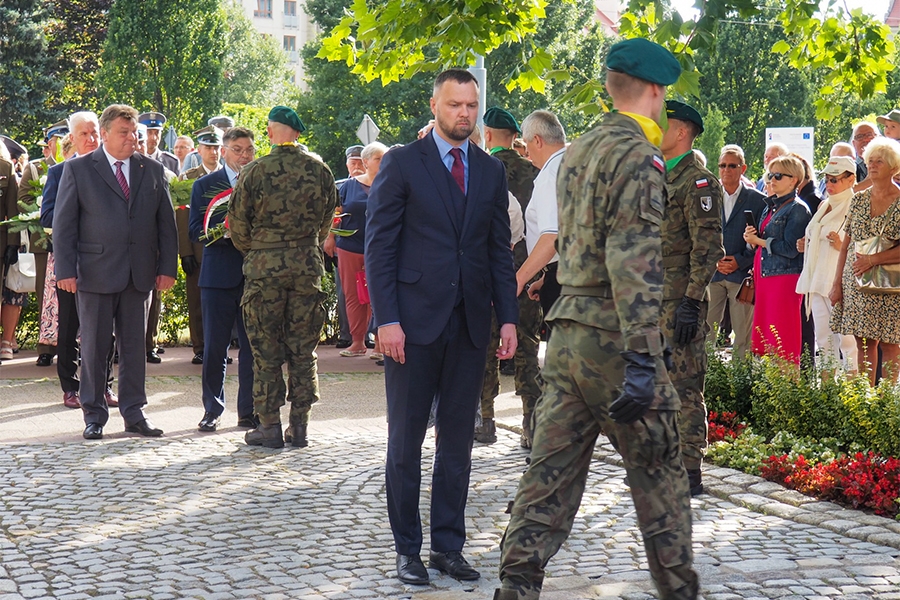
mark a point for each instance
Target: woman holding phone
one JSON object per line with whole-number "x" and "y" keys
{"x": 778, "y": 262}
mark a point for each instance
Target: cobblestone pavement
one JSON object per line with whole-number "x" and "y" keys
{"x": 205, "y": 516}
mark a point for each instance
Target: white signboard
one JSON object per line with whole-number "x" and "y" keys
{"x": 798, "y": 139}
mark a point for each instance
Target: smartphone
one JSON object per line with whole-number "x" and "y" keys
{"x": 751, "y": 220}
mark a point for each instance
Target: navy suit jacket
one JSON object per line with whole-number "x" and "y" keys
{"x": 222, "y": 265}
{"x": 733, "y": 232}
{"x": 418, "y": 251}
{"x": 51, "y": 189}
{"x": 106, "y": 241}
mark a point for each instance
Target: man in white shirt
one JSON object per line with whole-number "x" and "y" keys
{"x": 545, "y": 139}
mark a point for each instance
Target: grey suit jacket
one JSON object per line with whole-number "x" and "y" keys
{"x": 105, "y": 241}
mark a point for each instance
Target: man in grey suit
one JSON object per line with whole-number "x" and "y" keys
{"x": 114, "y": 240}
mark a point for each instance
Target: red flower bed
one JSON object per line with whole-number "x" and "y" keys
{"x": 867, "y": 481}
{"x": 723, "y": 426}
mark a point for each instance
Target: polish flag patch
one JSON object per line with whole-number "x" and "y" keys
{"x": 659, "y": 164}
{"x": 702, "y": 183}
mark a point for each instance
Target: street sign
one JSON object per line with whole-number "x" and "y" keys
{"x": 368, "y": 131}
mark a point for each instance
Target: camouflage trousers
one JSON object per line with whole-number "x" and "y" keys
{"x": 582, "y": 374}
{"x": 526, "y": 359}
{"x": 689, "y": 379}
{"x": 283, "y": 324}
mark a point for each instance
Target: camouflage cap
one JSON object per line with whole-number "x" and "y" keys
{"x": 499, "y": 118}
{"x": 153, "y": 120}
{"x": 645, "y": 60}
{"x": 287, "y": 116}
{"x": 354, "y": 151}
{"x": 894, "y": 116}
{"x": 209, "y": 136}
{"x": 683, "y": 112}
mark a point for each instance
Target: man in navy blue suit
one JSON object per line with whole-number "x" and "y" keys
{"x": 437, "y": 258}
{"x": 221, "y": 287}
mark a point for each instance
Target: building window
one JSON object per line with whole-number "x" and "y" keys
{"x": 263, "y": 9}
{"x": 290, "y": 47}
{"x": 290, "y": 14}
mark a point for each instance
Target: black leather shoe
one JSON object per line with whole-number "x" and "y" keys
{"x": 411, "y": 570}
{"x": 341, "y": 344}
{"x": 268, "y": 437}
{"x": 453, "y": 564}
{"x": 229, "y": 360}
{"x": 295, "y": 435}
{"x": 93, "y": 431}
{"x": 197, "y": 360}
{"x": 153, "y": 357}
{"x": 44, "y": 360}
{"x": 145, "y": 428}
{"x": 250, "y": 422}
{"x": 209, "y": 422}
{"x": 160, "y": 350}
{"x": 695, "y": 480}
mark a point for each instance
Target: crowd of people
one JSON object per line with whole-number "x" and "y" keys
{"x": 451, "y": 253}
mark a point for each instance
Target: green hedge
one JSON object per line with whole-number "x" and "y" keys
{"x": 774, "y": 396}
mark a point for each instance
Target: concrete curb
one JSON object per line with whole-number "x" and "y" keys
{"x": 768, "y": 498}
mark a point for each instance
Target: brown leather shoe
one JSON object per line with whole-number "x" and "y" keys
{"x": 112, "y": 400}
{"x": 70, "y": 400}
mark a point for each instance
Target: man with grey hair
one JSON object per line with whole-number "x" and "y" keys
{"x": 863, "y": 133}
{"x": 734, "y": 267}
{"x": 545, "y": 140}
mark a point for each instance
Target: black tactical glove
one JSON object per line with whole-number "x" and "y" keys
{"x": 687, "y": 321}
{"x": 11, "y": 256}
{"x": 639, "y": 388}
{"x": 189, "y": 265}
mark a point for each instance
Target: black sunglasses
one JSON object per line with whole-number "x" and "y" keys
{"x": 729, "y": 166}
{"x": 777, "y": 176}
{"x": 834, "y": 180}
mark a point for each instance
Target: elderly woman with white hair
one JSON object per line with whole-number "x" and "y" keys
{"x": 870, "y": 314}
{"x": 354, "y": 197}
{"x": 821, "y": 247}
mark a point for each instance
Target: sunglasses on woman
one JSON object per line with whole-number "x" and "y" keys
{"x": 834, "y": 180}
{"x": 777, "y": 176}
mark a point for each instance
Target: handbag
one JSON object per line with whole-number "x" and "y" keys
{"x": 880, "y": 279}
{"x": 747, "y": 294}
{"x": 22, "y": 276}
{"x": 362, "y": 287}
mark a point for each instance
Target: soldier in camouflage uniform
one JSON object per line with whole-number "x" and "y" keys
{"x": 605, "y": 367}
{"x": 500, "y": 129}
{"x": 692, "y": 245}
{"x": 280, "y": 214}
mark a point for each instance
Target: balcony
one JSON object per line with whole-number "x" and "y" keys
{"x": 291, "y": 21}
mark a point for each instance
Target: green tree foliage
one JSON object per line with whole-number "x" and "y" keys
{"x": 167, "y": 56}
{"x": 76, "y": 33}
{"x": 710, "y": 142}
{"x": 255, "y": 66}
{"x": 27, "y": 69}
{"x": 254, "y": 118}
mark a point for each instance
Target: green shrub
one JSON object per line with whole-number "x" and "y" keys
{"x": 729, "y": 383}
{"x": 746, "y": 453}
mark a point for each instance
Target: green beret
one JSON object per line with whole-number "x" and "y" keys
{"x": 683, "y": 112}
{"x": 645, "y": 60}
{"x": 286, "y": 116}
{"x": 498, "y": 118}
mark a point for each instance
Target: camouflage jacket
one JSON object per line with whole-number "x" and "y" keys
{"x": 520, "y": 174}
{"x": 611, "y": 197}
{"x": 280, "y": 214}
{"x": 691, "y": 229}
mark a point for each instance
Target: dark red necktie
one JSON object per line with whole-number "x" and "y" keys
{"x": 120, "y": 177}
{"x": 458, "y": 171}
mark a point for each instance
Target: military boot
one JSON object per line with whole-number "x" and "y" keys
{"x": 487, "y": 433}
{"x": 501, "y": 594}
{"x": 695, "y": 481}
{"x": 527, "y": 433}
{"x": 295, "y": 435}
{"x": 265, "y": 435}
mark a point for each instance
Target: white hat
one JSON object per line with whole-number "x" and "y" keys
{"x": 840, "y": 164}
